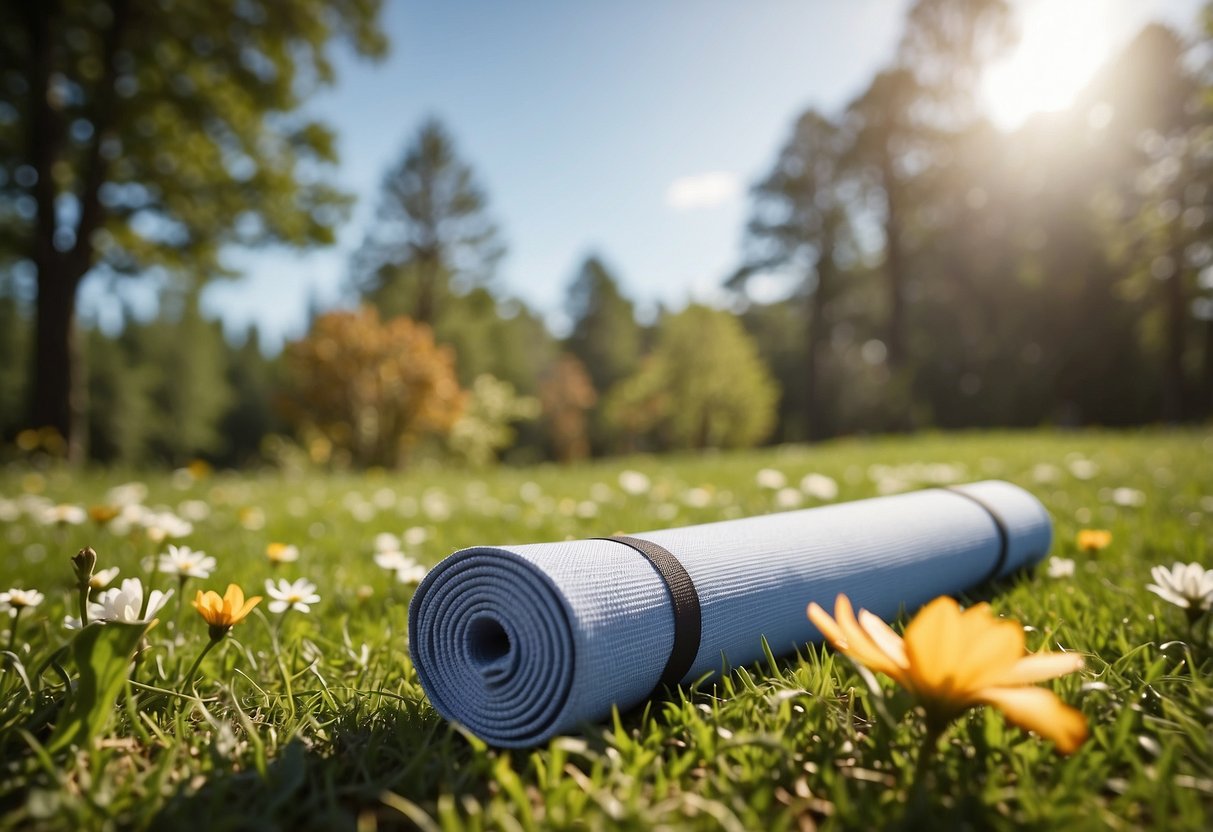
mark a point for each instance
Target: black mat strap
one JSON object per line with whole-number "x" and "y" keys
{"x": 688, "y": 620}
{"x": 1004, "y": 536}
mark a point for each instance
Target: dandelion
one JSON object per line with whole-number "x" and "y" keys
{"x": 282, "y": 553}
{"x": 220, "y": 614}
{"x": 1060, "y": 568}
{"x": 14, "y": 602}
{"x": 1187, "y": 586}
{"x": 1093, "y": 540}
{"x": 291, "y": 595}
{"x": 951, "y": 661}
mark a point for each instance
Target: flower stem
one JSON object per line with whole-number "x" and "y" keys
{"x": 926, "y": 755}
{"x": 189, "y": 676}
{"x": 85, "y": 588}
{"x": 181, "y": 579}
{"x": 12, "y": 630}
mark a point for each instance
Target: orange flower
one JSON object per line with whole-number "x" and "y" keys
{"x": 952, "y": 660}
{"x": 103, "y": 514}
{"x": 224, "y": 613}
{"x": 1092, "y": 540}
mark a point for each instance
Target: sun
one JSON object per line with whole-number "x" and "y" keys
{"x": 1061, "y": 45}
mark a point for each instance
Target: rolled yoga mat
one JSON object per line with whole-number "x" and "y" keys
{"x": 520, "y": 643}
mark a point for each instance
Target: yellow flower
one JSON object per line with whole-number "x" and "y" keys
{"x": 1092, "y": 540}
{"x": 952, "y": 660}
{"x": 224, "y": 613}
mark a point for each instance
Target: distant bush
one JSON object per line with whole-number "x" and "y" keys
{"x": 372, "y": 389}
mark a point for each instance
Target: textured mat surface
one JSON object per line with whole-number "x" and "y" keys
{"x": 519, "y": 643}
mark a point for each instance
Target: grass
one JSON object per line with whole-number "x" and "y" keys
{"x": 318, "y": 721}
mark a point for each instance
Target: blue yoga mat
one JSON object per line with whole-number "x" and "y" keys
{"x": 520, "y": 643}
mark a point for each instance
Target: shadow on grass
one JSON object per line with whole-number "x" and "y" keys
{"x": 401, "y": 749}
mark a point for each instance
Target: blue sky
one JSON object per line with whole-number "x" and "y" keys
{"x": 630, "y": 128}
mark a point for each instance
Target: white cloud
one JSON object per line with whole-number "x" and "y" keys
{"x": 702, "y": 190}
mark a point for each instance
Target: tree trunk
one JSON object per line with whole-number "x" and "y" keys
{"x": 56, "y": 401}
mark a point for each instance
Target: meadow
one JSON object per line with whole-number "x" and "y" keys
{"x": 315, "y": 719}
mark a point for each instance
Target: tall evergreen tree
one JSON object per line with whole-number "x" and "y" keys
{"x": 432, "y": 232}
{"x": 800, "y": 223}
{"x": 604, "y": 336}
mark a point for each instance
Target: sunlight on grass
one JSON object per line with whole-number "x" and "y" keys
{"x": 316, "y": 719}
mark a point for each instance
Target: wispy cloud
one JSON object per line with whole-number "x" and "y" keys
{"x": 702, "y": 190}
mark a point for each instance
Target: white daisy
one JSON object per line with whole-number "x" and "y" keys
{"x": 634, "y": 483}
{"x": 1061, "y": 568}
{"x": 386, "y": 542}
{"x": 770, "y": 478}
{"x": 15, "y": 600}
{"x": 63, "y": 514}
{"x": 125, "y": 603}
{"x": 186, "y": 563}
{"x": 413, "y": 573}
{"x": 102, "y": 577}
{"x": 819, "y": 486}
{"x": 393, "y": 560}
{"x": 282, "y": 552}
{"x": 291, "y": 595}
{"x": 1189, "y": 586}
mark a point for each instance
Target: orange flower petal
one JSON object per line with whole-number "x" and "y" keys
{"x": 888, "y": 641}
{"x": 248, "y": 607}
{"x": 1039, "y": 710}
{"x": 234, "y": 596}
{"x": 828, "y": 627}
{"x": 932, "y": 642}
{"x": 861, "y": 645}
{"x": 989, "y": 653}
{"x": 1038, "y": 667}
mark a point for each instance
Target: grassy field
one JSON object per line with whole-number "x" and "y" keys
{"x": 317, "y": 720}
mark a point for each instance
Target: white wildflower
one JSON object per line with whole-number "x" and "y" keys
{"x": 291, "y": 595}
{"x": 819, "y": 486}
{"x": 1189, "y": 586}
{"x": 1060, "y": 568}
{"x": 185, "y": 562}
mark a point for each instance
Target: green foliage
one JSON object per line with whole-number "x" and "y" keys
{"x": 704, "y": 386}
{"x": 486, "y": 426}
{"x": 318, "y": 721}
{"x": 604, "y": 334}
{"x": 503, "y": 338}
{"x": 183, "y": 123}
{"x": 103, "y": 654}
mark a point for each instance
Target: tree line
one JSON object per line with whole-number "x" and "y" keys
{"x": 939, "y": 272}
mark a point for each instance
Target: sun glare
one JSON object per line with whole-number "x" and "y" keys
{"x": 1061, "y": 45}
